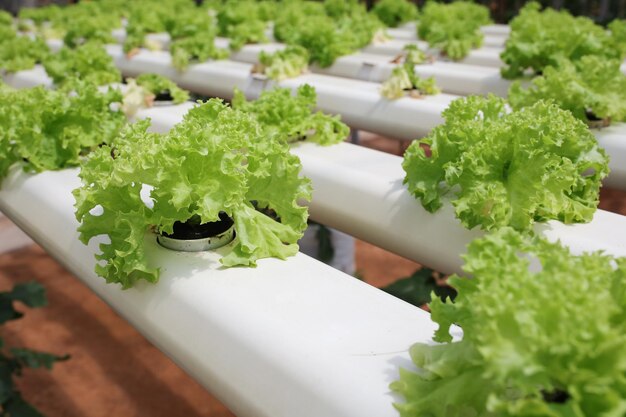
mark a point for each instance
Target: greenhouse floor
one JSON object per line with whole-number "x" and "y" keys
{"x": 113, "y": 369}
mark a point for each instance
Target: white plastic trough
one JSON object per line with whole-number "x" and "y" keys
{"x": 485, "y": 56}
{"x": 288, "y": 338}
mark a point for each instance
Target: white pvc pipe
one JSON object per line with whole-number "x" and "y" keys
{"x": 288, "y": 338}
{"x": 360, "y": 192}
{"x": 485, "y": 56}
{"x": 358, "y": 102}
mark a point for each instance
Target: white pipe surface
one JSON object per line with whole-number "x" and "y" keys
{"x": 288, "y": 338}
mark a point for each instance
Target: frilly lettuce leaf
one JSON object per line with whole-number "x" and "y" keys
{"x": 325, "y": 38}
{"x": 244, "y": 22}
{"x": 453, "y": 28}
{"x": 540, "y": 39}
{"x": 291, "y": 118}
{"x": 393, "y": 13}
{"x": 537, "y": 341}
{"x": 618, "y": 33}
{"x": 405, "y": 80}
{"x": 19, "y": 53}
{"x": 591, "y": 88}
{"x": 286, "y": 63}
{"x": 89, "y": 62}
{"x": 156, "y": 84}
{"x": 508, "y": 169}
{"x": 50, "y": 129}
{"x": 197, "y": 48}
{"x": 216, "y": 160}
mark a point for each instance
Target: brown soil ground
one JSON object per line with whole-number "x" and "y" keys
{"x": 114, "y": 371}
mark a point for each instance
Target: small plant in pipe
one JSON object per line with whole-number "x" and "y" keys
{"x": 540, "y": 39}
{"x": 453, "y": 28}
{"x": 325, "y": 38}
{"x": 393, "y": 13}
{"x": 543, "y": 335}
{"x": 593, "y": 89}
{"x": 217, "y": 162}
{"x": 52, "y": 129}
{"x": 291, "y": 118}
{"x": 195, "y": 49}
{"x": 149, "y": 88}
{"x": 89, "y": 62}
{"x": 281, "y": 65}
{"x": 245, "y": 22}
{"x": 508, "y": 169}
{"x": 18, "y": 53}
{"x": 404, "y": 79}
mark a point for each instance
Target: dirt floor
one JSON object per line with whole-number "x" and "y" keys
{"x": 114, "y": 371}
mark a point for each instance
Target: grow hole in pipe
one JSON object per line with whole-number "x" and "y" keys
{"x": 193, "y": 236}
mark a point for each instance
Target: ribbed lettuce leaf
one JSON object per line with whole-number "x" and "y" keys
{"x": 543, "y": 335}
{"x": 592, "y": 88}
{"x": 291, "y": 117}
{"x": 507, "y": 169}
{"x": 453, "y": 28}
{"x": 216, "y": 160}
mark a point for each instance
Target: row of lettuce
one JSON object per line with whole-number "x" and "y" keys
{"x": 526, "y": 349}
{"x": 572, "y": 60}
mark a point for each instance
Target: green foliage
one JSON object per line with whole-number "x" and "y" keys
{"x": 50, "y": 129}
{"x": 542, "y": 340}
{"x": 89, "y": 62}
{"x": 325, "y": 37}
{"x": 291, "y": 118}
{"x": 405, "y": 80}
{"x": 618, "y": 33}
{"x": 286, "y": 63}
{"x": 453, "y": 28}
{"x": 591, "y": 88}
{"x": 545, "y": 38}
{"x": 418, "y": 288}
{"x": 157, "y": 84}
{"x": 5, "y": 18}
{"x": 19, "y": 53}
{"x": 196, "y": 48}
{"x": 14, "y": 360}
{"x": 508, "y": 169}
{"x": 244, "y": 22}
{"x": 216, "y": 160}
{"x": 393, "y": 13}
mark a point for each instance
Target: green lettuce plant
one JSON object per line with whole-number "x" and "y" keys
{"x": 393, "y": 13}
{"x": 89, "y": 62}
{"x": 52, "y": 129}
{"x": 453, "y": 28}
{"x": 193, "y": 49}
{"x": 540, "y": 39}
{"x": 543, "y": 335}
{"x": 507, "y": 169}
{"x": 291, "y": 118}
{"x": 18, "y": 53}
{"x": 593, "y": 88}
{"x": 218, "y": 160}
{"x": 286, "y": 63}
{"x": 404, "y": 79}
